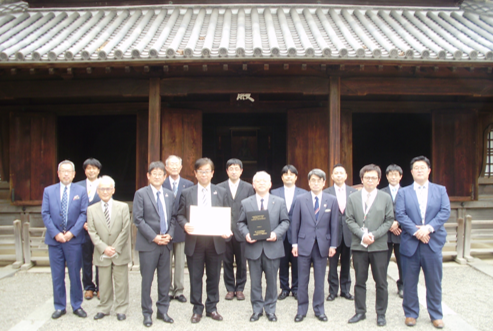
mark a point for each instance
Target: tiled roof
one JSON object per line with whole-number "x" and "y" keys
{"x": 244, "y": 32}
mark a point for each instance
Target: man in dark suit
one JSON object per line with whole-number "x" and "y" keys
{"x": 236, "y": 191}
{"x": 64, "y": 210}
{"x": 289, "y": 192}
{"x": 155, "y": 222}
{"x": 92, "y": 168}
{"x": 369, "y": 215}
{"x": 422, "y": 210}
{"x": 344, "y": 237}
{"x": 177, "y": 184}
{"x": 264, "y": 255}
{"x": 315, "y": 222}
{"x": 200, "y": 250}
{"x": 394, "y": 176}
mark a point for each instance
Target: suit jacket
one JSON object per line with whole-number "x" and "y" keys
{"x": 408, "y": 215}
{"x": 244, "y": 191}
{"x": 182, "y": 184}
{"x": 117, "y": 235}
{"x": 76, "y": 215}
{"x": 96, "y": 195}
{"x": 306, "y": 229}
{"x": 279, "y": 224}
{"x": 188, "y": 198}
{"x": 146, "y": 218}
{"x": 343, "y": 230}
{"x": 378, "y": 220}
{"x": 392, "y": 238}
{"x": 280, "y": 193}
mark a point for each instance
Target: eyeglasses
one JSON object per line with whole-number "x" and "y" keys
{"x": 368, "y": 178}
{"x": 65, "y": 171}
{"x": 203, "y": 172}
{"x": 420, "y": 168}
{"x": 105, "y": 189}
{"x": 316, "y": 181}
{"x": 155, "y": 175}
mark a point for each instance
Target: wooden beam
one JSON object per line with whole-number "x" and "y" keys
{"x": 334, "y": 121}
{"x": 154, "y": 138}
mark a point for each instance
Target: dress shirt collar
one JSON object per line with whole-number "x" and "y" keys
{"x": 235, "y": 185}
{"x": 110, "y": 204}
{"x": 208, "y": 187}
{"x": 171, "y": 181}
{"x": 392, "y": 187}
{"x": 342, "y": 187}
{"x": 266, "y": 200}
{"x": 319, "y": 198}
{"x": 417, "y": 186}
{"x": 154, "y": 190}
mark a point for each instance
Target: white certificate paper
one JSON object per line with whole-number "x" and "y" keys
{"x": 210, "y": 221}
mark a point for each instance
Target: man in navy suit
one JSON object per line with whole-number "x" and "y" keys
{"x": 314, "y": 236}
{"x": 289, "y": 192}
{"x": 92, "y": 168}
{"x": 174, "y": 182}
{"x": 63, "y": 210}
{"x": 422, "y": 209}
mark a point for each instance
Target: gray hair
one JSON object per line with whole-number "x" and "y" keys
{"x": 66, "y": 162}
{"x": 171, "y": 157}
{"x": 261, "y": 175}
{"x": 317, "y": 172}
{"x": 106, "y": 180}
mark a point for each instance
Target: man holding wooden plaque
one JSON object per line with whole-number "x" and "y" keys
{"x": 263, "y": 216}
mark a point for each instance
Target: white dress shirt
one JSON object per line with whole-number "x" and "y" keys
{"x": 161, "y": 198}
{"x": 341, "y": 197}
{"x": 422, "y": 195}
{"x": 393, "y": 190}
{"x": 233, "y": 187}
{"x": 91, "y": 188}
{"x": 266, "y": 201}
{"x": 200, "y": 195}
{"x": 110, "y": 204}
{"x": 289, "y": 196}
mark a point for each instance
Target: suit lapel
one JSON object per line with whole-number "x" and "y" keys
{"x": 152, "y": 198}
{"x": 214, "y": 198}
{"x": 102, "y": 218}
{"x": 414, "y": 197}
{"x": 167, "y": 184}
{"x": 309, "y": 204}
{"x": 194, "y": 193}
{"x": 57, "y": 197}
{"x": 169, "y": 207}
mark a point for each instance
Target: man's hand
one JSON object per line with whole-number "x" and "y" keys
{"x": 165, "y": 239}
{"x": 295, "y": 251}
{"x": 332, "y": 252}
{"x": 60, "y": 238}
{"x": 109, "y": 251}
{"x": 395, "y": 228}
{"x": 422, "y": 233}
{"x": 249, "y": 240}
{"x": 368, "y": 239}
{"x": 425, "y": 239}
{"x": 189, "y": 228}
{"x": 86, "y": 227}
{"x": 273, "y": 237}
{"x": 227, "y": 235}
{"x": 68, "y": 236}
{"x": 157, "y": 239}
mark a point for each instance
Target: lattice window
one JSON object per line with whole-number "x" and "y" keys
{"x": 488, "y": 153}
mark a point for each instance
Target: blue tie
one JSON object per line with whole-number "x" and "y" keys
{"x": 64, "y": 209}
{"x": 175, "y": 188}
{"x": 317, "y": 208}
{"x": 160, "y": 211}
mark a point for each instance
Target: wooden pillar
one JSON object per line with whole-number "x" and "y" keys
{"x": 154, "y": 141}
{"x": 334, "y": 122}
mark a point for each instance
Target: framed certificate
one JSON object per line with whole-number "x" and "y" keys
{"x": 210, "y": 221}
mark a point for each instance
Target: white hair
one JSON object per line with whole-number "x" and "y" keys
{"x": 106, "y": 180}
{"x": 261, "y": 175}
{"x": 66, "y": 162}
{"x": 171, "y": 157}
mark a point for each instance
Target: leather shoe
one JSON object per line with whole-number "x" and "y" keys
{"x": 147, "y": 320}
{"x": 322, "y": 318}
{"x": 381, "y": 320}
{"x": 89, "y": 295}
{"x": 410, "y": 321}
{"x": 255, "y": 317}
{"x": 99, "y": 316}
{"x": 283, "y": 295}
{"x": 121, "y": 317}
{"x": 80, "y": 312}
{"x": 164, "y": 317}
{"x": 401, "y": 293}
{"x": 331, "y": 297}
{"x": 356, "y": 318}
{"x": 229, "y": 296}
{"x": 240, "y": 295}
{"x": 214, "y": 315}
{"x": 295, "y": 294}
{"x": 299, "y": 318}
{"x": 272, "y": 317}
{"x": 348, "y": 296}
{"x": 196, "y": 318}
{"x": 58, "y": 313}
{"x": 181, "y": 298}
{"x": 438, "y": 324}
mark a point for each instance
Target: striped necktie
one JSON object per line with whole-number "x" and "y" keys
{"x": 316, "y": 209}
{"x": 64, "y": 209}
{"x": 107, "y": 214}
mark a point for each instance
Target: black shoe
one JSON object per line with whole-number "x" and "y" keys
{"x": 164, "y": 317}
{"x": 171, "y": 297}
{"x": 295, "y": 294}
{"x": 58, "y": 313}
{"x": 283, "y": 295}
{"x": 181, "y": 298}
{"x": 255, "y": 317}
{"x": 348, "y": 296}
{"x": 121, "y": 317}
{"x": 147, "y": 320}
{"x": 381, "y": 320}
{"x": 401, "y": 293}
{"x": 322, "y": 318}
{"x": 99, "y": 316}
{"x": 272, "y": 317}
{"x": 356, "y": 318}
{"x": 80, "y": 312}
{"x": 331, "y": 297}
{"x": 299, "y": 318}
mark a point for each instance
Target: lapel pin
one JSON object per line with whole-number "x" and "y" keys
{"x": 166, "y": 195}
{"x": 215, "y": 192}
{"x": 325, "y": 205}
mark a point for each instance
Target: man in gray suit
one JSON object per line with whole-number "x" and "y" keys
{"x": 314, "y": 235}
{"x": 341, "y": 191}
{"x": 109, "y": 228}
{"x": 369, "y": 215}
{"x": 155, "y": 222}
{"x": 236, "y": 191}
{"x": 264, "y": 255}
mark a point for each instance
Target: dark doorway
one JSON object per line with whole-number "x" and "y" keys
{"x": 258, "y": 140}
{"x": 110, "y": 139}
{"x": 385, "y": 138}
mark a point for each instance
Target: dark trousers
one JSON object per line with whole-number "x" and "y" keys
{"x": 205, "y": 253}
{"x": 319, "y": 267}
{"x": 397, "y": 253}
{"x": 269, "y": 268}
{"x": 344, "y": 252}
{"x": 284, "y": 268}
{"x": 431, "y": 262}
{"x": 378, "y": 261}
{"x": 235, "y": 252}
{"x": 87, "y": 252}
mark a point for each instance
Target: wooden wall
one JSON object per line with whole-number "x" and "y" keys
{"x": 142, "y": 149}
{"x": 4, "y": 146}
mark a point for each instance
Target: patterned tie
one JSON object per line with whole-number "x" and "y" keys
{"x": 205, "y": 201}
{"x": 64, "y": 209}
{"x": 175, "y": 189}
{"x": 316, "y": 209}
{"x": 394, "y": 191}
{"x": 107, "y": 214}
{"x": 160, "y": 210}
{"x": 262, "y": 204}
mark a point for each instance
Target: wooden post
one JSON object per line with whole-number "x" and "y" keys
{"x": 154, "y": 141}
{"x": 334, "y": 122}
